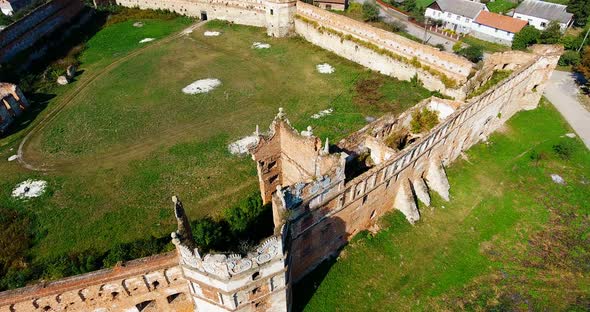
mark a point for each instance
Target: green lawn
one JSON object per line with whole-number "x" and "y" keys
{"x": 131, "y": 139}
{"x": 510, "y": 239}
{"x": 501, "y": 6}
{"x": 486, "y": 46}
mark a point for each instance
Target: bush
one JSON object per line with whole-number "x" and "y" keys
{"x": 440, "y": 46}
{"x": 370, "y": 12}
{"x": 423, "y": 120}
{"x": 526, "y": 36}
{"x": 457, "y": 46}
{"x": 396, "y": 26}
{"x": 551, "y": 34}
{"x": 563, "y": 149}
{"x": 472, "y": 53}
{"x": 570, "y": 58}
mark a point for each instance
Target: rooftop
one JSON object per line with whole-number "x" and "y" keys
{"x": 502, "y": 22}
{"x": 545, "y": 10}
{"x": 461, "y": 7}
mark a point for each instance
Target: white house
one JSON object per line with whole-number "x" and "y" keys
{"x": 8, "y": 7}
{"x": 540, "y": 13}
{"x": 456, "y": 15}
{"x": 495, "y": 27}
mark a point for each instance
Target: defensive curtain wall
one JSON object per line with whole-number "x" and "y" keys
{"x": 27, "y": 31}
{"x": 149, "y": 284}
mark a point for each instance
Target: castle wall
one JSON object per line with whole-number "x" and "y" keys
{"x": 27, "y": 31}
{"x": 324, "y": 222}
{"x": 381, "y": 50}
{"x": 244, "y": 12}
{"x": 149, "y": 284}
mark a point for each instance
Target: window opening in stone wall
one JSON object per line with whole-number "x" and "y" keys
{"x": 255, "y": 290}
{"x": 203, "y": 16}
{"x": 172, "y": 297}
{"x": 272, "y": 12}
{"x": 155, "y": 284}
{"x": 255, "y": 276}
{"x": 114, "y": 295}
{"x": 365, "y": 199}
{"x": 272, "y": 179}
{"x": 144, "y": 305}
{"x": 373, "y": 214}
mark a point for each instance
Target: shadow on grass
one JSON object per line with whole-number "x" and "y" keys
{"x": 38, "y": 102}
{"x": 307, "y": 286}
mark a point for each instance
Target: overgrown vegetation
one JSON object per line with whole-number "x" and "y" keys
{"x": 423, "y": 120}
{"x": 490, "y": 248}
{"x": 497, "y": 76}
{"x": 381, "y": 93}
{"x": 238, "y": 230}
{"x": 472, "y": 53}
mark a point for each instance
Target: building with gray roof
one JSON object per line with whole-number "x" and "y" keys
{"x": 540, "y": 13}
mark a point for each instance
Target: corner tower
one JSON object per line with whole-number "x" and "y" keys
{"x": 280, "y": 17}
{"x": 232, "y": 282}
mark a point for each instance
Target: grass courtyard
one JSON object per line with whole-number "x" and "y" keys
{"x": 510, "y": 239}
{"x": 123, "y": 138}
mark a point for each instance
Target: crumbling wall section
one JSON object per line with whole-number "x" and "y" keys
{"x": 155, "y": 282}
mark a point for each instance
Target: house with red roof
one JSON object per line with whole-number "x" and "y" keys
{"x": 495, "y": 27}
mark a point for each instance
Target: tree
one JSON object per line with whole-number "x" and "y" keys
{"x": 370, "y": 12}
{"x": 569, "y": 58}
{"x": 551, "y": 34}
{"x": 472, "y": 53}
{"x": 584, "y": 67}
{"x": 581, "y": 11}
{"x": 526, "y": 36}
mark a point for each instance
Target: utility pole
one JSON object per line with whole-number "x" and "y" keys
{"x": 583, "y": 41}
{"x": 425, "y": 31}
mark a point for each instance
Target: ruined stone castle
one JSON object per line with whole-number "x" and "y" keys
{"x": 322, "y": 194}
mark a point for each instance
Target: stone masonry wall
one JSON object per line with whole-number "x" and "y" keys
{"x": 321, "y": 224}
{"x": 244, "y": 12}
{"x": 319, "y": 26}
{"x": 148, "y": 284}
{"x": 30, "y": 29}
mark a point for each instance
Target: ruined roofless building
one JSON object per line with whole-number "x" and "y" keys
{"x": 12, "y": 104}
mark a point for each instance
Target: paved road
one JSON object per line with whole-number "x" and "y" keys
{"x": 390, "y": 16}
{"x": 563, "y": 92}
{"x": 416, "y": 31}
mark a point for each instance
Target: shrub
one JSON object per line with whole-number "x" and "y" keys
{"x": 370, "y": 12}
{"x": 423, "y": 120}
{"x": 472, "y": 53}
{"x": 551, "y": 34}
{"x": 563, "y": 149}
{"x": 440, "y": 46}
{"x": 570, "y": 58}
{"x": 526, "y": 36}
{"x": 457, "y": 46}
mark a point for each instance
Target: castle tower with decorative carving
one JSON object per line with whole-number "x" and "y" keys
{"x": 257, "y": 281}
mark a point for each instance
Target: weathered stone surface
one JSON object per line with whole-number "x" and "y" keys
{"x": 62, "y": 80}
{"x": 71, "y": 71}
{"x": 404, "y": 202}
{"x": 436, "y": 178}
{"x": 421, "y": 191}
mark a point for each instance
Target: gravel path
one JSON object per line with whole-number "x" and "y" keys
{"x": 563, "y": 91}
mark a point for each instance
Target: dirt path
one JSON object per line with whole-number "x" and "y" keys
{"x": 82, "y": 86}
{"x": 563, "y": 91}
